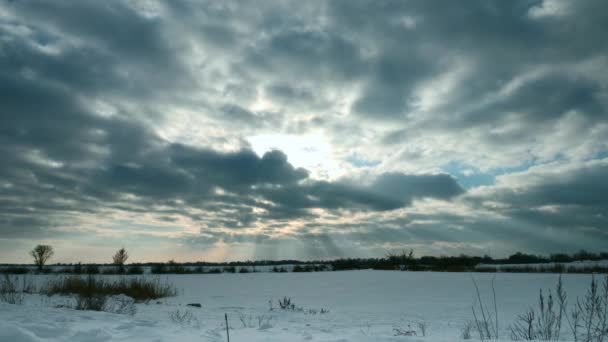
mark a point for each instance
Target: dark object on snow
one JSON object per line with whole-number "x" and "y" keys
{"x": 227, "y": 333}
{"x": 196, "y": 305}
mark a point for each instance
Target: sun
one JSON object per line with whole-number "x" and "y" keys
{"x": 311, "y": 152}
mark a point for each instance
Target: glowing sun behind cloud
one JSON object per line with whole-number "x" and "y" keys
{"x": 311, "y": 152}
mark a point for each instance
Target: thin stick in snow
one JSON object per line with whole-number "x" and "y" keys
{"x": 227, "y": 333}
{"x": 495, "y": 308}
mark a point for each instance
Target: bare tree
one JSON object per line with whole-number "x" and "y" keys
{"x": 41, "y": 254}
{"x": 120, "y": 258}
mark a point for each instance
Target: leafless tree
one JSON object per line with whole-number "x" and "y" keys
{"x": 120, "y": 258}
{"x": 41, "y": 254}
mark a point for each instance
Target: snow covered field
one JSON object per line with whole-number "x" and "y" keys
{"x": 363, "y": 306}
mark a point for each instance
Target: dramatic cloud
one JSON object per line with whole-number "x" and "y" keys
{"x": 215, "y": 130}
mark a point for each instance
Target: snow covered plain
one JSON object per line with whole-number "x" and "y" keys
{"x": 363, "y": 306}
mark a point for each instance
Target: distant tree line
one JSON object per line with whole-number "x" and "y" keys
{"x": 403, "y": 260}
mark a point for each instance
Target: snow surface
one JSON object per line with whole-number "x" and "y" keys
{"x": 363, "y": 306}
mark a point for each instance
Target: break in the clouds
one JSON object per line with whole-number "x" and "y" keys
{"x": 225, "y": 130}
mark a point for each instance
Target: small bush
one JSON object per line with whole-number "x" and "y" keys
{"x": 405, "y": 332}
{"x": 286, "y": 304}
{"x": 78, "y": 269}
{"x": 110, "y": 270}
{"x": 9, "y": 292}
{"x": 589, "y": 317}
{"x": 63, "y": 270}
{"x": 261, "y": 321}
{"x": 158, "y": 269}
{"x": 467, "y": 328}
{"x": 140, "y": 289}
{"x": 135, "y": 270}
{"x": 171, "y": 267}
{"x": 120, "y": 304}
{"x": 420, "y": 330}
{"x": 175, "y": 268}
{"x": 230, "y": 269}
{"x": 243, "y": 270}
{"x": 91, "y": 269}
{"x": 15, "y": 270}
{"x": 90, "y": 302}
{"x": 544, "y": 324}
{"x": 184, "y": 318}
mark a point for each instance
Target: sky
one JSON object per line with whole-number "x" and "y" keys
{"x": 229, "y": 130}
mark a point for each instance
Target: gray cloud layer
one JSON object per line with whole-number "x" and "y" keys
{"x": 127, "y": 108}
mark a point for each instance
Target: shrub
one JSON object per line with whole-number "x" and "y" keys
{"x": 184, "y": 318}
{"x": 110, "y": 270}
{"x": 170, "y": 267}
{"x": 9, "y": 292}
{"x": 230, "y": 269}
{"x": 467, "y": 328}
{"x": 140, "y": 289}
{"x": 91, "y": 269}
{"x": 175, "y": 268}
{"x": 120, "y": 304}
{"x": 63, "y": 270}
{"x": 261, "y": 321}
{"x": 544, "y": 324}
{"x": 286, "y": 304}
{"x": 405, "y": 332}
{"x": 14, "y": 270}
{"x": 589, "y": 318}
{"x": 135, "y": 270}
{"x": 158, "y": 269}
{"x": 77, "y": 269}
{"x": 90, "y": 302}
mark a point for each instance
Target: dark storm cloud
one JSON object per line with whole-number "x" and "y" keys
{"x": 57, "y": 148}
{"x": 571, "y": 198}
{"x": 548, "y": 206}
{"x": 115, "y": 27}
{"x": 538, "y": 101}
{"x": 302, "y": 52}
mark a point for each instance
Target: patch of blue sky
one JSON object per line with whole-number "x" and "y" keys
{"x": 471, "y": 177}
{"x": 600, "y": 155}
{"x": 360, "y": 162}
{"x": 468, "y": 176}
